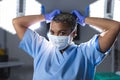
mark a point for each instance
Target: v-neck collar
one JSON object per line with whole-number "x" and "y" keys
{"x": 62, "y": 56}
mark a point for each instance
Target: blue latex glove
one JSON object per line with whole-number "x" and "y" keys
{"x": 50, "y": 16}
{"x": 80, "y": 18}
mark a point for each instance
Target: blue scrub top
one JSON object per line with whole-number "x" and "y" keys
{"x": 78, "y": 62}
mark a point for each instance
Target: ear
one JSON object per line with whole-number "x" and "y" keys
{"x": 74, "y": 33}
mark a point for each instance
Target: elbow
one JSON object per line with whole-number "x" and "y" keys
{"x": 14, "y": 21}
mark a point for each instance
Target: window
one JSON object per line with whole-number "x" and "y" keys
{"x": 7, "y": 13}
{"x": 116, "y": 15}
{"x": 97, "y": 8}
{"x": 33, "y": 7}
{"x": 10, "y": 9}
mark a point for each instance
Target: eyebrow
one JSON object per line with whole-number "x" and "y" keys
{"x": 58, "y": 31}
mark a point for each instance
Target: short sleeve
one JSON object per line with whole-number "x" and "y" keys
{"x": 92, "y": 51}
{"x": 32, "y": 43}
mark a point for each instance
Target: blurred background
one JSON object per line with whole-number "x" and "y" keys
{"x": 15, "y": 64}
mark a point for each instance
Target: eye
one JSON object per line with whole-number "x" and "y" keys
{"x": 62, "y": 33}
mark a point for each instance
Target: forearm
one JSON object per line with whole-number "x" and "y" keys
{"x": 102, "y": 23}
{"x": 22, "y": 23}
{"x": 110, "y": 30}
{"x": 26, "y": 21}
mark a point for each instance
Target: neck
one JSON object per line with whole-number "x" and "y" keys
{"x": 62, "y": 51}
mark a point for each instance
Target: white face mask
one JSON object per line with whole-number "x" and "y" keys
{"x": 61, "y": 42}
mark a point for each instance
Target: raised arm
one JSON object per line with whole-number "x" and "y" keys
{"x": 22, "y": 23}
{"x": 109, "y": 28}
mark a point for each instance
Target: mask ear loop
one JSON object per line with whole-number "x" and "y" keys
{"x": 75, "y": 26}
{"x": 74, "y": 29}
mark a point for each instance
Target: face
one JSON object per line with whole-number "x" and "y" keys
{"x": 60, "y": 29}
{"x": 60, "y": 35}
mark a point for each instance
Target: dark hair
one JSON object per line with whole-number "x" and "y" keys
{"x": 66, "y": 18}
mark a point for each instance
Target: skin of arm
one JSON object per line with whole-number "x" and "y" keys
{"x": 110, "y": 29}
{"x": 22, "y": 23}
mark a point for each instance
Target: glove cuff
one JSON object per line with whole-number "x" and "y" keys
{"x": 47, "y": 18}
{"x": 81, "y": 21}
